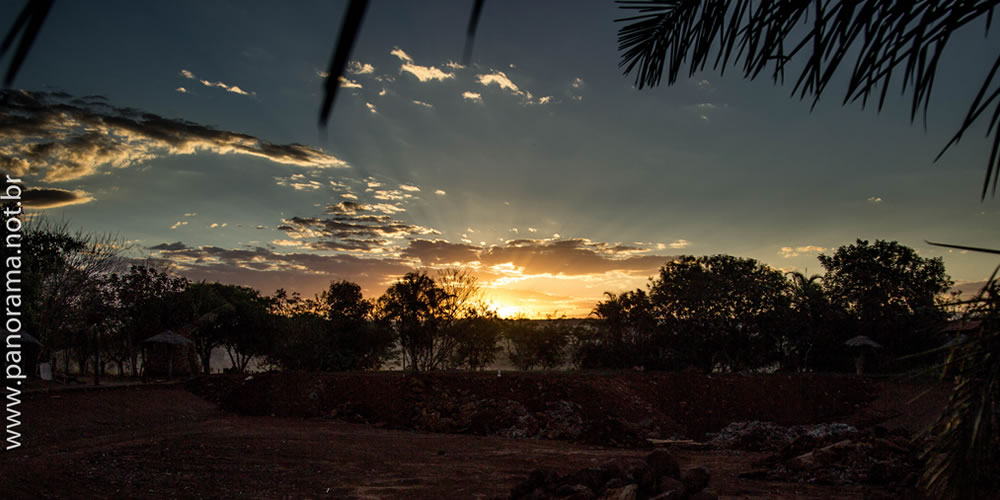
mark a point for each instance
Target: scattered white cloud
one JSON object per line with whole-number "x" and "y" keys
{"x": 408, "y": 187}
{"x": 349, "y": 196}
{"x": 453, "y": 65}
{"x": 423, "y": 73}
{"x": 532, "y": 230}
{"x": 182, "y": 90}
{"x": 577, "y": 83}
{"x": 360, "y": 68}
{"x": 348, "y": 84}
{"x": 383, "y": 92}
{"x": 788, "y": 252}
{"x": 287, "y": 243}
{"x": 422, "y": 103}
{"x": 680, "y": 244}
{"x": 178, "y": 224}
{"x": 875, "y": 199}
{"x": 190, "y": 214}
{"x": 228, "y": 88}
{"x": 215, "y": 225}
{"x": 322, "y": 74}
{"x": 298, "y": 182}
{"x": 440, "y": 192}
{"x": 500, "y": 79}
{"x": 544, "y": 100}
{"x": 398, "y": 52}
{"x": 371, "y": 107}
{"x": 472, "y": 96}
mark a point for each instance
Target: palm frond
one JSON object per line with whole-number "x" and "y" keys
{"x": 349, "y": 31}
{"x": 470, "y": 32}
{"x": 885, "y": 38}
{"x": 962, "y": 459}
{"x": 30, "y": 22}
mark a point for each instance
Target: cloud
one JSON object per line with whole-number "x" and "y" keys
{"x": 215, "y": 225}
{"x": 422, "y": 103}
{"x": 423, "y": 73}
{"x": 371, "y": 107}
{"x": 43, "y": 198}
{"x": 426, "y": 73}
{"x": 408, "y": 187}
{"x": 353, "y": 227}
{"x": 875, "y": 199}
{"x": 182, "y": 90}
{"x": 228, "y": 88}
{"x": 680, "y": 244}
{"x": 359, "y": 68}
{"x": 441, "y": 252}
{"x": 556, "y": 257}
{"x": 267, "y": 269}
{"x": 500, "y": 79}
{"x": 472, "y": 96}
{"x": 190, "y": 214}
{"x": 177, "y": 245}
{"x": 577, "y": 83}
{"x": 298, "y": 182}
{"x": 440, "y": 192}
{"x": 788, "y": 252}
{"x": 179, "y": 224}
{"x": 398, "y": 52}
{"x": 391, "y": 195}
{"x": 64, "y": 139}
{"x": 348, "y": 84}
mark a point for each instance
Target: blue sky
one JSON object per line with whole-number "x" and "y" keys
{"x": 538, "y": 164}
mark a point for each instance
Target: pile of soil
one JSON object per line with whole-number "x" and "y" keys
{"x": 618, "y": 409}
{"x": 877, "y": 457}
{"x": 768, "y": 436}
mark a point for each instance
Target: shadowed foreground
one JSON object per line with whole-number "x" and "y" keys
{"x": 164, "y": 442}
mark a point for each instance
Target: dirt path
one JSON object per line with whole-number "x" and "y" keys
{"x": 164, "y": 442}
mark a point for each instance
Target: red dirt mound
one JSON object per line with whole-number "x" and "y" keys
{"x": 608, "y": 408}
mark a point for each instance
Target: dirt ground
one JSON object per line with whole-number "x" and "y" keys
{"x": 165, "y": 442}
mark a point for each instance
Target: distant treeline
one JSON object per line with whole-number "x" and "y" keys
{"x": 710, "y": 313}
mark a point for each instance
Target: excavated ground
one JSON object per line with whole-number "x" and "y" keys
{"x": 166, "y": 442}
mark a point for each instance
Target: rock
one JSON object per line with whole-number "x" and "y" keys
{"x": 664, "y": 464}
{"x": 627, "y": 492}
{"x": 704, "y": 495}
{"x": 695, "y": 479}
{"x": 671, "y": 487}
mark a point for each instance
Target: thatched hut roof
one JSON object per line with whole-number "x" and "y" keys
{"x": 169, "y": 337}
{"x": 862, "y": 341}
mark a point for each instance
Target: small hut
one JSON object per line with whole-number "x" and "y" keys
{"x": 861, "y": 345}
{"x": 168, "y": 354}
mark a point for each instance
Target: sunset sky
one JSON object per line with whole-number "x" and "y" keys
{"x": 190, "y": 130}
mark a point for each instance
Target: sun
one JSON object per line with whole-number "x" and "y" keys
{"x": 509, "y": 311}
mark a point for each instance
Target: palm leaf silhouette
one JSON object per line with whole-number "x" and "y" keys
{"x": 886, "y": 39}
